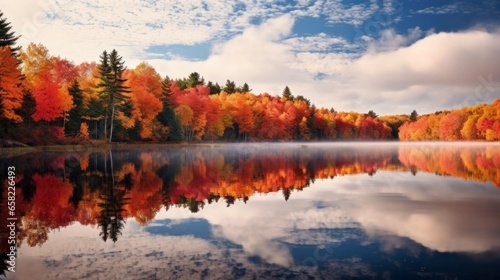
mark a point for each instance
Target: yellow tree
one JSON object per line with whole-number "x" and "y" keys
{"x": 186, "y": 115}
{"x": 36, "y": 60}
{"x": 145, "y": 84}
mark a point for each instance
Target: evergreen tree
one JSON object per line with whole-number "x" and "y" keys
{"x": 167, "y": 116}
{"x": 194, "y": 80}
{"x": 230, "y": 87}
{"x": 175, "y": 133}
{"x": 287, "y": 94}
{"x": 95, "y": 113}
{"x": 7, "y": 38}
{"x": 112, "y": 88}
{"x": 413, "y": 116}
{"x": 310, "y": 123}
{"x": 104, "y": 85}
{"x": 27, "y": 108}
{"x": 372, "y": 114}
{"x": 76, "y": 113}
{"x": 214, "y": 89}
{"x": 181, "y": 83}
{"x": 246, "y": 88}
{"x": 166, "y": 83}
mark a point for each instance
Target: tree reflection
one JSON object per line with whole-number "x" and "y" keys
{"x": 112, "y": 203}
{"x": 106, "y": 188}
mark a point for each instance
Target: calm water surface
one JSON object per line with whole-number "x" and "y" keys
{"x": 253, "y": 211}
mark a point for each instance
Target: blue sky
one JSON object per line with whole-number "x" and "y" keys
{"x": 390, "y": 56}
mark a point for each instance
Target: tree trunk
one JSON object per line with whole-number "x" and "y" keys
{"x": 112, "y": 118}
{"x": 106, "y": 113}
{"x": 105, "y": 124}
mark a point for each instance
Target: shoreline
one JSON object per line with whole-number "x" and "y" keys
{"x": 6, "y": 151}
{"x": 97, "y": 147}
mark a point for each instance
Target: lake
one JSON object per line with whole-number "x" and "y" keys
{"x": 257, "y": 211}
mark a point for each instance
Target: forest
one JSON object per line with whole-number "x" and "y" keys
{"x": 46, "y": 99}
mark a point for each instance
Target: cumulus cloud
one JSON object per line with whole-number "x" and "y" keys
{"x": 389, "y": 40}
{"x": 256, "y": 55}
{"x": 441, "y": 71}
{"x": 439, "y": 59}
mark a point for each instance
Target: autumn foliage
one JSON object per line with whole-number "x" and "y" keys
{"x": 11, "y": 94}
{"x": 480, "y": 122}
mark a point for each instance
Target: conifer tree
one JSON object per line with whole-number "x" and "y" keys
{"x": 167, "y": 116}
{"x": 287, "y": 94}
{"x": 214, "y": 89}
{"x": 112, "y": 86}
{"x": 194, "y": 80}
{"x": 230, "y": 87}
{"x": 75, "y": 114}
{"x": 413, "y": 116}
{"x": 246, "y": 88}
{"x": 7, "y": 37}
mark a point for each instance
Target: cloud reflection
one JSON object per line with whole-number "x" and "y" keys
{"x": 261, "y": 233}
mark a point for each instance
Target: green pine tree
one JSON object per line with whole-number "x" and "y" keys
{"x": 112, "y": 88}
{"x": 413, "y": 116}
{"x": 7, "y": 37}
{"x": 194, "y": 80}
{"x": 230, "y": 87}
{"x": 167, "y": 116}
{"x": 214, "y": 89}
{"x": 246, "y": 88}
{"x": 372, "y": 114}
{"x": 76, "y": 113}
{"x": 287, "y": 94}
{"x": 310, "y": 123}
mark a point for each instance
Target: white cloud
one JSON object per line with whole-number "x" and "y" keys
{"x": 319, "y": 43}
{"x": 389, "y": 40}
{"x": 444, "y": 66}
{"x": 80, "y": 30}
{"x": 453, "y": 8}
{"x": 355, "y": 14}
{"x": 255, "y": 56}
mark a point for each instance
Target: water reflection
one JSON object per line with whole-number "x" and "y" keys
{"x": 170, "y": 206}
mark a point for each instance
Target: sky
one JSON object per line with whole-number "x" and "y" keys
{"x": 389, "y": 56}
